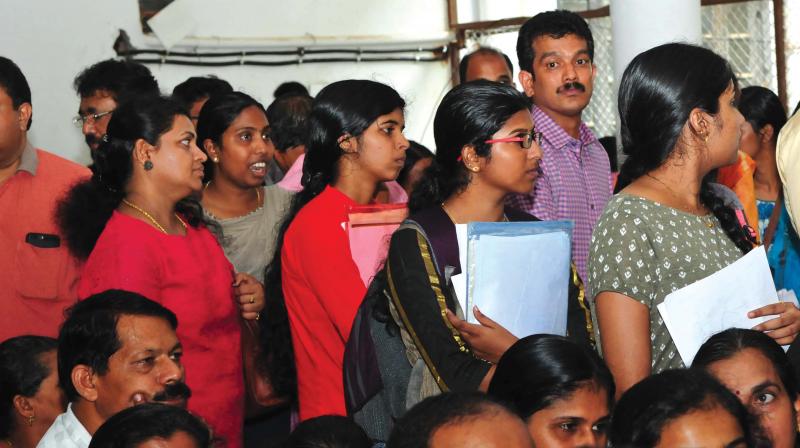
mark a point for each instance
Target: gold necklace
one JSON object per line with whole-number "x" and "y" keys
{"x": 258, "y": 193}
{"x": 150, "y": 217}
{"x": 709, "y": 221}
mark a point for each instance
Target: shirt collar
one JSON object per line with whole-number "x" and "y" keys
{"x": 75, "y": 429}
{"x": 29, "y": 161}
{"x": 556, "y": 136}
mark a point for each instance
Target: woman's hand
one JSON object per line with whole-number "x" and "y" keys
{"x": 249, "y": 293}
{"x": 488, "y": 341}
{"x": 784, "y": 328}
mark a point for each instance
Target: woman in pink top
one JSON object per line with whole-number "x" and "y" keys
{"x": 355, "y": 142}
{"x": 138, "y": 227}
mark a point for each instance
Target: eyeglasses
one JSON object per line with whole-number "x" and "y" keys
{"x": 525, "y": 140}
{"x": 80, "y": 120}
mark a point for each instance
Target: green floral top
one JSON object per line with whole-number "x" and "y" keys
{"x": 645, "y": 250}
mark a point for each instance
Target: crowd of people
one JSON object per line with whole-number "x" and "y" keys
{"x": 196, "y": 285}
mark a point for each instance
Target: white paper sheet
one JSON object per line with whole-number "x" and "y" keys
{"x": 720, "y": 301}
{"x": 460, "y": 281}
{"x": 521, "y": 281}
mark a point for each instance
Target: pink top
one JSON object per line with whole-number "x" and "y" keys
{"x": 191, "y": 276}
{"x": 291, "y": 182}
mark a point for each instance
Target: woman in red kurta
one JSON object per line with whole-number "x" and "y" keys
{"x": 355, "y": 142}
{"x": 133, "y": 225}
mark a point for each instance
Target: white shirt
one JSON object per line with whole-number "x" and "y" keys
{"x": 787, "y": 155}
{"x": 66, "y": 432}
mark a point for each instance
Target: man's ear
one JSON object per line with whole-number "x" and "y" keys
{"x": 526, "y": 82}
{"x": 25, "y": 111}
{"x": 23, "y": 407}
{"x": 83, "y": 380}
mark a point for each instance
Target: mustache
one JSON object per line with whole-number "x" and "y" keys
{"x": 90, "y": 139}
{"x": 572, "y": 85}
{"x": 173, "y": 391}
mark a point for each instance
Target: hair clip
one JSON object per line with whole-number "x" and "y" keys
{"x": 105, "y": 138}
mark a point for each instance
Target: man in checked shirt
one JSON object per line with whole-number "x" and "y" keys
{"x": 555, "y": 51}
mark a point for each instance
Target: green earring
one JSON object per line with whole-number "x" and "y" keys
{"x": 148, "y": 165}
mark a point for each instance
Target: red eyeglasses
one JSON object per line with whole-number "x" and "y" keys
{"x": 525, "y": 140}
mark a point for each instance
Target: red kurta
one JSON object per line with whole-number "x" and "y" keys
{"x": 323, "y": 290}
{"x": 191, "y": 276}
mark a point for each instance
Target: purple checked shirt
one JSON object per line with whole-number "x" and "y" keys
{"x": 574, "y": 183}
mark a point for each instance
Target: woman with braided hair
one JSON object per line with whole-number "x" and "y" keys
{"x": 669, "y": 226}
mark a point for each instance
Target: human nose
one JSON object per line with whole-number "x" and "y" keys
{"x": 198, "y": 153}
{"x": 172, "y": 372}
{"x": 88, "y": 126}
{"x": 403, "y": 143}
{"x": 535, "y": 151}
{"x": 570, "y": 73}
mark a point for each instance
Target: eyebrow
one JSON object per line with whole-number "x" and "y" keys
{"x": 583, "y": 51}
{"x": 766, "y": 384}
{"x": 394, "y": 122}
{"x": 189, "y": 133}
{"x": 519, "y": 131}
{"x": 735, "y": 443}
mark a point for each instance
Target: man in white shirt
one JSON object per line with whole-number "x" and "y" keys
{"x": 116, "y": 349}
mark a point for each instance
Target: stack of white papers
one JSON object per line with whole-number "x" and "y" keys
{"x": 518, "y": 275}
{"x": 720, "y": 301}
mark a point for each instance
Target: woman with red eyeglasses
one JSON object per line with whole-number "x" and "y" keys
{"x": 487, "y": 148}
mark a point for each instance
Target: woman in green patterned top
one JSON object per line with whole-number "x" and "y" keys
{"x": 668, "y": 227}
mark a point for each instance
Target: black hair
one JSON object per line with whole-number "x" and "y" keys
{"x": 197, "y": 88}
{"x": 123, "y": 80}
{"x": 290, "y": 88}
{"x": 89, "y": 336}
{"x": 414, "y": 154}
{"x": 216, "y": 116}
{"x": 346, "y": 107}
{"x": 610, "y": 145}
{"x": 555, "y": 24}
{"x": 416, "y": 428}
{"x": 21, "y": 373}
{"x": 136, "y": 425}
{"x": 328, "y": 431}
{"x": 541, "y": 369}
{"x": 658, "y": 91}
{"x": 464, "y": 64}
{"x": 288, "y": 120}
{"x": 728, "y": 343}
{"x": 83, "y": 213}
{"x": 646, "y": 408}
{"x": 760, "y": 107}
{"x": 468, "y": 115}
{"x": 13, "y": 81}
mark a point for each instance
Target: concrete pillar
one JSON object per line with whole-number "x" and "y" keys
{"x": 638, "y": 25}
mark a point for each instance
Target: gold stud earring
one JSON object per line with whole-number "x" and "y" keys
{"x": 474, "y": 168}
{"x": 215, "y": 159}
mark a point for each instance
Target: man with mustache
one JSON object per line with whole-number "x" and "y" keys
{"x": 555, "y": 51}
{"x": 104, "y": 86}
{"x": 116, "y": 349}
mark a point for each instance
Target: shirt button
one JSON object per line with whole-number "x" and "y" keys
{"x": 592, "y": 206}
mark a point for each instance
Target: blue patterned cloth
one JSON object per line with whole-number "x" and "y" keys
{"x": 765, "y": 209}
{"x": 784, "y": 255}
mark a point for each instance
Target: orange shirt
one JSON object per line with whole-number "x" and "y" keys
{"x": 739, "y": 178}
{"x": 36, "y": 281}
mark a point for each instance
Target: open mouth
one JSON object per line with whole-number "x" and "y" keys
{"x": 259, "y": 169}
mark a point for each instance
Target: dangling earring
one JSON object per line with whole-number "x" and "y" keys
{"x": 148, "y": 165}
{"x": 31, "y": 419}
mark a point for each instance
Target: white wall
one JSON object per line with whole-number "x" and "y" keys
{"x": 52, "y": 41}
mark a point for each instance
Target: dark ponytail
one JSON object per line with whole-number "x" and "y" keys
{"x": 83, "y": 213}
{"x": 658, "y": 91}
{"x": 343, "y": 108}
{"x": 468, "y": 115}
